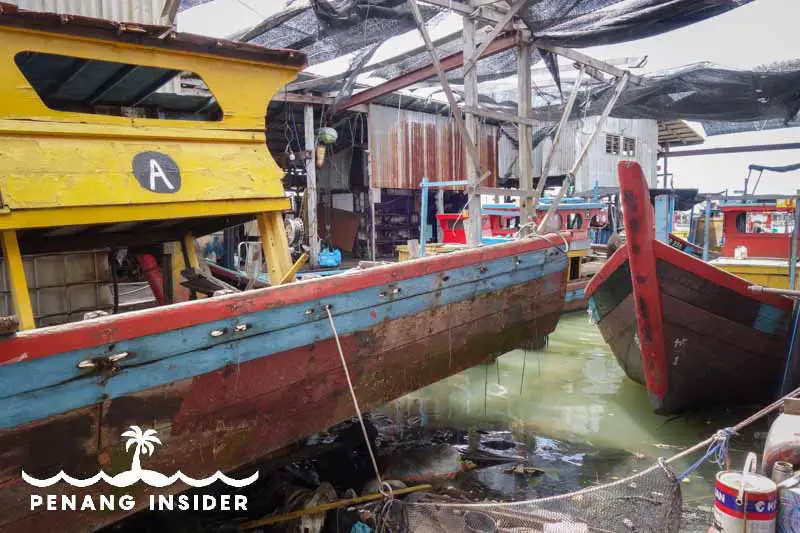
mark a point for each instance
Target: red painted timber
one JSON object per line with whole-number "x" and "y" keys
{"x": 453, "y": 61}
{"x": 716, "y": 275}
{"x": 640, "y": 235}
{"x": 236, "y": 415}
{"x": 617, "y": 259}
{"x": 38, "y": 343}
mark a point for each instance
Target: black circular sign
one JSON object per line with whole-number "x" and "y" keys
{"x": 157, "y": 172}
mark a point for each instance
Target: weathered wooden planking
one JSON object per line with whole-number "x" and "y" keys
{"x": 234, "y": 415}
{"x": 56, "y": 384}
{"x": 720, "y": 344}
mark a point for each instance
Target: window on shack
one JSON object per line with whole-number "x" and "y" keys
{"x": 612, "y": 144}
{"x": 779, "y": 222}
{"x": 74, "y": 84}
{"x": 629, "y": 147}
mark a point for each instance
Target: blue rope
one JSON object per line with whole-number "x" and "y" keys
{"x": 717, "y": 451}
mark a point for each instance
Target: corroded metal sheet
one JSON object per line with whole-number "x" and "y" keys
{"x": 406, "y": 146}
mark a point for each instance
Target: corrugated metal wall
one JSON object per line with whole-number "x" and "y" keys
{"x": 406, "y": 146}
{"x": 599, "y": 166}
{"x": 142, "y": 11}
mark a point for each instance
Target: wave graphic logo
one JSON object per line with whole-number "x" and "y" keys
{"x": 145, "y": 442}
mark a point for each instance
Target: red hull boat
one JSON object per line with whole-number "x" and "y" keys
{"x": 688, "y": 331}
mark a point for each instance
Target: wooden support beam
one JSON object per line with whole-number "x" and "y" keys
{"x": 15, "y": 270}
{"x": 289, "y": 277}
{"x": 324, "y": 80}
{"x": 498, "y": 115}
{"x": 502, "y": 191}
{"x": 527, "y": 208}
{"x": 466, "y": 136}
{"x": 484, "y": 14}
{"x": 311, "y": 186}
{"x": 557, "y": 137}
{"x": 570, "y": 177}
{"x": 453, "y": 61}
{"x": 294, "y": 98}
{"x": 500, "y": 26}
{"x": 582, "y": 58}
{"x": 471, "y": 123}
{"x": 275, "y": 246}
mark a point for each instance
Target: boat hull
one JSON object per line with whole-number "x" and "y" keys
{"x": 690, "y": 332}
{"x": 235, "y": 400}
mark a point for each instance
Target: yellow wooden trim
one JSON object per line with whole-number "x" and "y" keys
{"x": 242, "y": 88}
{"x": 188, "y": 241}
{"x": 59, "y": 126}
{"x": 16, "y": 280}
{"x": 73, "y": 216}
{"x": 301, "y": 261}
{"x": 275, "y": 245}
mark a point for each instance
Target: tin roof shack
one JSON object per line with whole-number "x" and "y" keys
{"x": 620, "y": 139}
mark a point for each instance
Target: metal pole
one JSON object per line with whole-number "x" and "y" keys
{"x": 311, "y": 185}
{"x": 795, "y": 238}
{"x": 423, "y": 215}
{"x": 707, "y": 229}
{"x": 577, "y": 165}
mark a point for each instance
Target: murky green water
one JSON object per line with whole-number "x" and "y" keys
{"x": 573, "y": 393}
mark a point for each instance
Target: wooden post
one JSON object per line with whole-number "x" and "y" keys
{"x": 275, "y": 246}
{"x": 311, "y": 185}
{"x": 557, "y": 137}
{"x": 570, "y": 177}
{"x": 15, "y": 270}
{"x": 471, "y": 122}
{"x": 527, "y": 209}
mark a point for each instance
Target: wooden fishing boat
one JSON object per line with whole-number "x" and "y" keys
{"x": 500, "y": 222}
{"x": 688, "y": 331}
{"x": 224, "y": 380}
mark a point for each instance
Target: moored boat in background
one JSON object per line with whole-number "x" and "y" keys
{"x": 690, "y": 332}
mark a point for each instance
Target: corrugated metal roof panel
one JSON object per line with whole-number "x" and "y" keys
{"x": 141, "y": 11}
{"x": 406, "y": 146}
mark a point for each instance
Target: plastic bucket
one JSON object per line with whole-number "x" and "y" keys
{"x": 745, "y": 501}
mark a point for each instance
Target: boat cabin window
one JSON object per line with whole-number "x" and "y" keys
{"x": 779, "y": 222}
{"x": 74, "y": 84}
{"x": 554, "y": 222}
{"x": 574, "y": 221}
{"x": 612, "y": 144}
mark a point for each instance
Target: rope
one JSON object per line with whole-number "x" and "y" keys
{"x": 385, "y": 488}
{"x": 660, "y": 464}
{"x": 718, "y": 450}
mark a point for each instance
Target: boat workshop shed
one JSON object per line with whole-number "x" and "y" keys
{"x": 389, "y": 75}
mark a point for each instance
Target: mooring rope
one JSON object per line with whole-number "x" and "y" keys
{"x": 385, "y": 489}
{"x": 660, "y": 464}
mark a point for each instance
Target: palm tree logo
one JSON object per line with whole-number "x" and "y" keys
{"x": 144, "y": 442}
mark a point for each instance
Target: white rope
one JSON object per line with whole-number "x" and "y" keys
{"x": 660, "y": 464}
{"x": 385, "y": 489}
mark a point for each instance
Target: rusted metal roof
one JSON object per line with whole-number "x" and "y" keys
{"x": 406, "y": 146}
{"x": 145, "y": 35}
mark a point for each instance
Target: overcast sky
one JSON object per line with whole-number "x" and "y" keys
{"x": 763, "y": 31}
